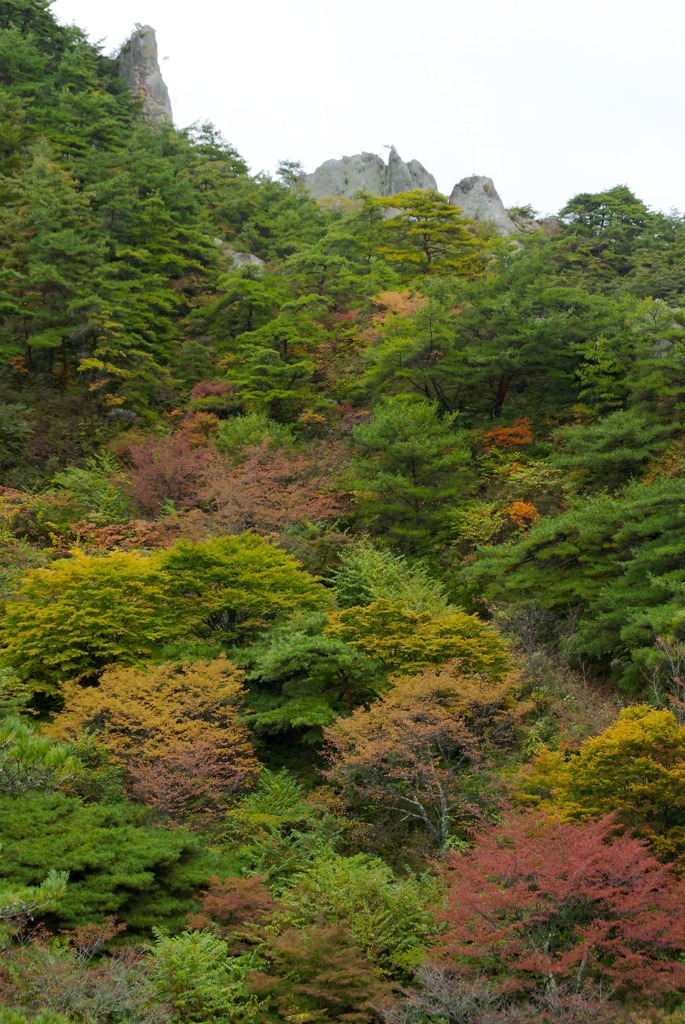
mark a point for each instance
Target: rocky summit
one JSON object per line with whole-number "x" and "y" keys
{"x": 139, "y": 66}
{"x": 478, "y": 198}
{"x": 367, "y": 172}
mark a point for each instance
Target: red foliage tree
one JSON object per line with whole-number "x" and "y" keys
{"x": 237, "y": 906}
{"x": 169, "y": 469}
{"x": 272, "y": 489}
{"x": 564, "y": 910}
{"x": 269, "y": 491}
{"x": 217, "y": 396}
{"x": 186, "y": 782}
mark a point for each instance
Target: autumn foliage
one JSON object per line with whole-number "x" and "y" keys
{"x": 542, "y": 906}
{"x": 272, "y": 489}
{"x": 318, "y": 973}
{"x": 412, "y": 754}
{"x": 78, "y": 615}
{"x": 236, "y": 908}
{"x": 523, "y": 514}
{"x": 168, "y": 469}
{"x": 519, "y": 434}
{"x": 406, "y": 640}
{"x": 176, "y": 730}
{"x": 268, "y": 490}
{"x": 131, "y": 536}
{"x": 635, "y": 768}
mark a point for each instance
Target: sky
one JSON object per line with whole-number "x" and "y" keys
{"x": 548, "y": 98}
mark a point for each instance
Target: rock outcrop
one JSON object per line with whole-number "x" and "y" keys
{"x": 403, "y": 177}
{"x": 478, "y": 198}
{"x": 369, "y": 173}
{"x": 139, "y": 66}
{"x": 242, "y": 259}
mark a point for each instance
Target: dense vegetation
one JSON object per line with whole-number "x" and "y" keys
{"x": 342, "y": 641}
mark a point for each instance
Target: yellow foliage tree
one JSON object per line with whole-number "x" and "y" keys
{"x": 403, "y": 639}
{"x": 635, "y": 768}
{"x": 79, "y": 614}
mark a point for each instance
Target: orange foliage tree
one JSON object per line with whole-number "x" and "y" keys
{"x": 520, "y": 433}
{"x": 176, "y": 730}
{"x": 415, "y": 753}
{"x": 523, "y": 514}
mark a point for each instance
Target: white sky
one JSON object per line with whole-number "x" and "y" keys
{"x": 547, "y": 98}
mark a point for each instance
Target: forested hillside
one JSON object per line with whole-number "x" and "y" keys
{"x": 342, "y": 630}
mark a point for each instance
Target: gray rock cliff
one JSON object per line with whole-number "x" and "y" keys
{"x": 478, "y": 198}
{"x": 367, "y": 172}
{"x": 139, "y": 66}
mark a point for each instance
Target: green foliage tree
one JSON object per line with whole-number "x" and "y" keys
{"x": 409, "y": 468}
{"x": 511, "y": 339}
{"x": 94, "y": 491}
{"x": 613, "y": 563}
{"x": 19, "y": 902}
{"x": 194, "y": 972}
{"x": 430, "y": 236}
{"x": 51, "y": 260}
{"x": 118, "y": 865}
{"x": 231, "y": 587}
{"x": 254, "y": 428}
{"x": 367, "y": 573}
{"x": 279, "y": 830}
{"x": 301, "y": 678}
{"x": 603, "y": 231}
{"x": 654, "y": 377}
{"x": 387, "y": 915}
{"x": 80, "y": 614}
{"x": 15, "y": 430}
{"x": 29, "y": 761}
{"x": 247, "y": 302}
{"x": 609, "y": 453}
{"x": 46, "y": 1017}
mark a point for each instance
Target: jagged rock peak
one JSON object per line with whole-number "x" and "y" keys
{"x": 367, "y": 172}
{"x": 478, "y": 198}
{"x": 139, "y": 66}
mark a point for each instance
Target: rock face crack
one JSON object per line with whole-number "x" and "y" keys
{"x": 139, "y": 66}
